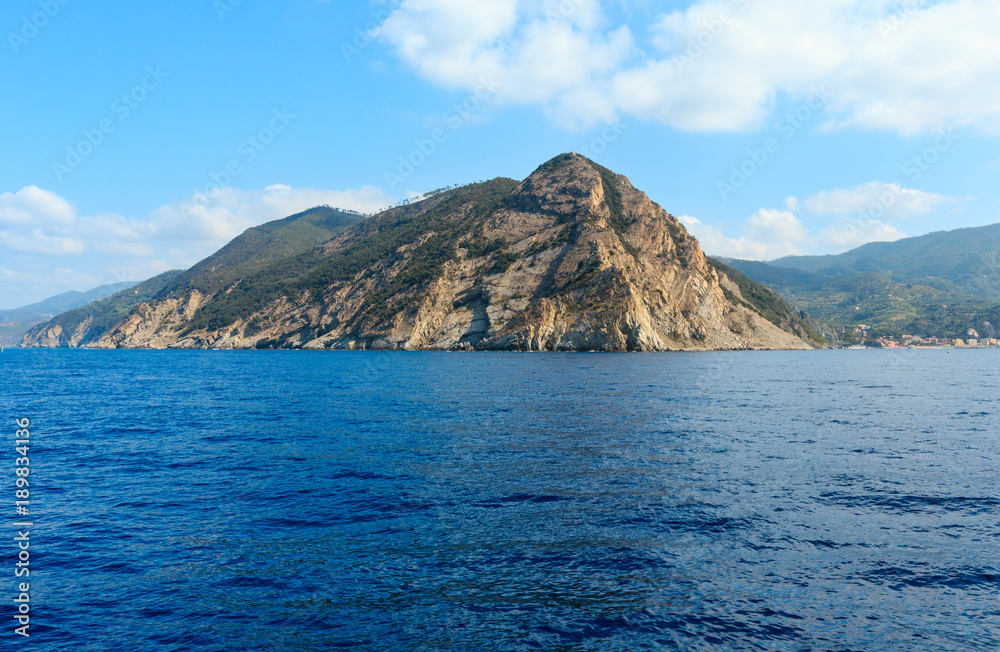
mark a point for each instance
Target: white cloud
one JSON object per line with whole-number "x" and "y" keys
{"x": 776, "y": 226}
{"x": 38, "y": 242}
{"x": 36, "y": 279}
{"x": 103, "y": 227}
{"x": 714, "y": 242}
{"x": 43, "y": 222}
{"x": 720, "y": 64}
{"x": 285, "y": 200}
{"x": 848, "y": 233}
{"x": 771, "y": 233}
{"x": 875, "y": 199}
{"x": 119, "y": 248}
{"x": 767, "y": 234}
{"x": 546, "y": 52}
{"x": 32, "y": 206}
{"x": 450, "y": 40}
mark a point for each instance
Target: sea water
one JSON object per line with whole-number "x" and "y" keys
{"x": 839, "y": 500}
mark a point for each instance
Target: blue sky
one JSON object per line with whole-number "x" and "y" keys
{"x": 140, "y": 137}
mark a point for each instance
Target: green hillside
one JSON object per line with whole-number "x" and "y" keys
{"x": 937, "y": 285}
{"x": 573, "y": 258}
{"x": 262, "y": 246}
{"x": 774, "y": 308}
{"x": 966, "y": 261}
{"x": 61, "y": 303}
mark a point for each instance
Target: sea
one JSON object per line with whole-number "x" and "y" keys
{"x": 297, "y": 501}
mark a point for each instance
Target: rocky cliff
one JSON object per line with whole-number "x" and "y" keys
{"x": 573, "y": 258}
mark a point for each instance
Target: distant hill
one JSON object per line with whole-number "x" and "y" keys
{"x": 15, "y": 323}
{"x": 572, "y": 258}
{"x": 965, "y": 261}
{"x": 936, "y": 285}
{"x": 247, "y": 254}
{"x": 61, "y": 303}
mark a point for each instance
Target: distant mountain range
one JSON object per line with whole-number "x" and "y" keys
{"x": 15, "y": 323}
{"x": 936, "y": 285}
{"x": 572, "y": 258}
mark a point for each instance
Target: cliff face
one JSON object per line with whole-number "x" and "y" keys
{"x": 573, "y": 258}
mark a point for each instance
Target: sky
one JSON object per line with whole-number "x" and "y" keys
{"x": 141, "y": 137}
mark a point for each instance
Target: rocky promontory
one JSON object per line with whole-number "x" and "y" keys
{"x": 573, "y": 258}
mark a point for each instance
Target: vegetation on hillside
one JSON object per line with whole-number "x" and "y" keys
{"x": 938, "y": 285}
{"x": 14, "y": 324}
{"x": 620, "y": 222}
{"x": 262, "y": 246}
{"x": 392, "y": 259}
{"x": 948, "y": 261}
{"x": 61, "y": 303}
{"x": 411, "y": 244}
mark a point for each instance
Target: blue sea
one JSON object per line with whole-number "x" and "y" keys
{"x": 293, "y": 501}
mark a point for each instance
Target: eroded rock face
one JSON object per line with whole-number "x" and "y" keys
{"x": 153, "y": 325}
{"x": 574, "y": 258}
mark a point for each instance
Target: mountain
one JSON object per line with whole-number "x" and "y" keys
{"x": 936, "y": 285}
{"x": 15, "y": 323}
{"x": 572, "y": 258}
{"x": 246, "y": 255}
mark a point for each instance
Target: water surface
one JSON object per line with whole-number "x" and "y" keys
{"x": 213, "y": 501}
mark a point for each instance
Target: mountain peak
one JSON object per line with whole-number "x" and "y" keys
{"x": 567, "y": 185}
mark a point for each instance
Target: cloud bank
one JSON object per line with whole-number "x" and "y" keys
{"x": 719, "y": 65}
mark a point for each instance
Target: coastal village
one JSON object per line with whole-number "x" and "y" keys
{"x": 972, "y": 341}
